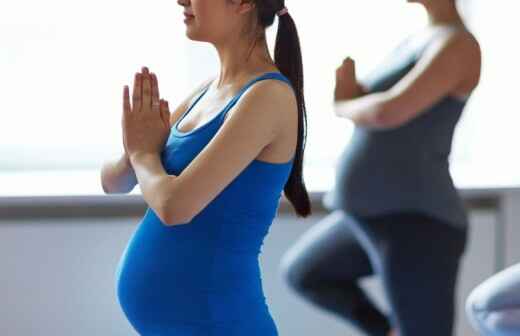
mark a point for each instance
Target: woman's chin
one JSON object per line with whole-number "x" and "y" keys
{"x": 190, "y": 32}
{"x": 192, "y": 35}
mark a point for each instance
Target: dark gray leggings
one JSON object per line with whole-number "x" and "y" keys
{"x": 415, "y": 256}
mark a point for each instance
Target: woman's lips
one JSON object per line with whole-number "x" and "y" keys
{"x": 188, "y": 17}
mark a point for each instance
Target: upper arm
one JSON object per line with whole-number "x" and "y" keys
{"x": 444, "y": 67}
{"x": 254, "y": 122}
{"x": 185, "y": 104}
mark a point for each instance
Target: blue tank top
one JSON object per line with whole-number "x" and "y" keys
{"x": 405, "y": 168}
{"x": 203, "y": 278}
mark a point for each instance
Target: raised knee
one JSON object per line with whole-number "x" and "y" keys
{"x": 503, "y": 322}
{"x": 472, "y": 312}
{"x": 488, "y": 318}
{"x": 295, "y": 273}
{"x": 478, "y": 307}
{"x": 506, "y": 322}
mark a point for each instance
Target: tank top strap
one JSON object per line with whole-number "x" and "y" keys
{"x": 432, "y": 38}
{"x": 267, "y": 75}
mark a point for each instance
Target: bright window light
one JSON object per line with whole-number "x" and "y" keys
{"x": 64, "y": 65}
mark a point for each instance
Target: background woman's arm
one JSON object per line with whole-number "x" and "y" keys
{"x": 451, "y": 63}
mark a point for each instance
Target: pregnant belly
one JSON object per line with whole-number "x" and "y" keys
{"x": 165, "y": 278}
{"x": 154, "y": 285}
{"x": 188, "y": 295}
{"x": 367, "y": 178}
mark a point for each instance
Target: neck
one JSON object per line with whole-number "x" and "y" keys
{"x": 444, "y": 12}
{"x": 238, "y": 58}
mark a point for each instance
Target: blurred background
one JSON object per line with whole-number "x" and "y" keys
{"x": 63, "y": 67}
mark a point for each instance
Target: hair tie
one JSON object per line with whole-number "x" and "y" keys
{"x": 282, "y": 11}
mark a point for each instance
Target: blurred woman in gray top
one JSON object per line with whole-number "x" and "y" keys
{"x": 395, "y": 210}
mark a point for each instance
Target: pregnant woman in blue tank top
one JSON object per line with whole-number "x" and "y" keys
{"x": 212, "y": 173}
{"x": 396, "y": 212}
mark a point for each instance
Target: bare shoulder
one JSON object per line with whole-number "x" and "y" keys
{"x": 277, "y": 90}
{"x": 467, "y": 54}
{"x": 461, "y": 44}
{"x": 455, "y": 53}
{"x": 275, "y": 100}
{"x": 185, "y": 104}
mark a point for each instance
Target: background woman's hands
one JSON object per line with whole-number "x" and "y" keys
{"x": 146, "y": 122}
{"x": 347, "y": 86}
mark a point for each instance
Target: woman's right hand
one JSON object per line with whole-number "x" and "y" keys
{"x": 164, "y": 111}
{"x": 346, "y": 82}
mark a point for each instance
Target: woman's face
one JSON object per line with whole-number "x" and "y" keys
{"x": 213, "y": 20}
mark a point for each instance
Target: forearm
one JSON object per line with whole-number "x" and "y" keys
{"x": 157, "y": 186}
{"x": 366, "y": 111}
{"x": 118, "y": 176}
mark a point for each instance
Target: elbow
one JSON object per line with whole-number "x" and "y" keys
{"x": 171, "y": 216}
{"x": 109, "y": 187}
{"x": 106, "y": 188}
{"x": 110, "y": 190}
{"x": 171, "y": 219}
{"x": 104, "y": 185}
{"x": 173, "y": 210}
{"x": 384, "y": 120}
{"x": 389, "y": 115}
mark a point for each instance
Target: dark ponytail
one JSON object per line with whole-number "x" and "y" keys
{"x": 288, "y": 59}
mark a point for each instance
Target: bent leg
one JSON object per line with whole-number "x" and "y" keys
{"x": 417, "y": 258}
{"x": 325, "y": 265}
{"x": 493, "y": 308}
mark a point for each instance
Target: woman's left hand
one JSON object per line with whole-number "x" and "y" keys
{"x": 146, "y": 125}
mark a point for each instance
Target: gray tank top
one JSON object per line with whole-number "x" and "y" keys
{"x": 405, "y": 168}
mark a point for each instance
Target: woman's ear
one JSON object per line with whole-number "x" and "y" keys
{"x": 244, "y": 6}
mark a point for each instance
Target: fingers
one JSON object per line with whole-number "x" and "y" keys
{"x": 347, "y": 69}
{"x": 349, "y": 65}
{"x": 348, "y": 60}
{"x": 165, "y": 112}
{"x": 126, "y": 109}
{"x": 137, "y": 94}
{"x": 339, "y": 72}
{"x": 147, "y": 89}
{"x": 164, "y": 108}
{"x": 155, "y": 86}
{"x": 126, "y": 99}
{"x": 156, "y": 103}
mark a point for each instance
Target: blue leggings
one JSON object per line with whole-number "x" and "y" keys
{"x": 494, "y": 306}
{"x": 415, "y": 256}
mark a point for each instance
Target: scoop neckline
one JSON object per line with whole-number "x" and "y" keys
{"x": 180, "y": 133}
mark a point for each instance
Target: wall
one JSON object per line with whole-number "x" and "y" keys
{"x": 57, "y": 276}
